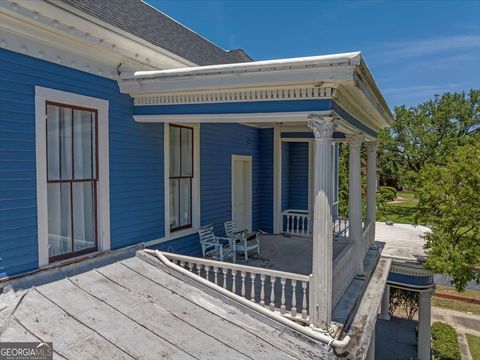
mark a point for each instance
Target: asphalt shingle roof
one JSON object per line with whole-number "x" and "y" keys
{"x": 148, "y": 23}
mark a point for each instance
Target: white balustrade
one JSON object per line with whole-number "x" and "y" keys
{"x": 297, "y": 222}
{"x": 343, "y": 272}
{"x": 279, "y": 285}
{"x": 341, "y": 228}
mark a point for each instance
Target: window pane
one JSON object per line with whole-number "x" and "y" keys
{"x": 59, "y": 142}
{"x": 59, "y": 220}
{"x": 187, "y": 152}
{"x": 83, "y": 215}
{"x": 84, "y": 144}
{"x": 174, "y": 205}
{"x": 174, "y": 151}
{"x": 185, "y": 206}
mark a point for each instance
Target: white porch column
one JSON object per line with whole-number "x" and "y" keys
{"x": 384, "y": 315}
{"x": 320, "y": 307}
{"x": 371, "y": 188}
{"x": 355, "y": 198}
{"x": 424, "y": 325}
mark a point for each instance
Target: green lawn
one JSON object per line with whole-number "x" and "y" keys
{"x": 456, "y": 305}
{"x": 402, "y": 210}
{"x": 474, "y": 345}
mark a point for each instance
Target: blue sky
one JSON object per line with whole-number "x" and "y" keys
{"x": 414, "y": 49}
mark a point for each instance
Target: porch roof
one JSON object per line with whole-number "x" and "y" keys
{"x": 340, "y": 84}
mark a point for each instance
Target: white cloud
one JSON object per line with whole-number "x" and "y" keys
{"x": 418, "y": 48}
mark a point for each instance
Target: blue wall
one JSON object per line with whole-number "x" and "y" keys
{"x": 218, "y": 142}
{"x": 295, "y": 175}
{"x": 136, "y": 165}
{"x": 136, "y": 160}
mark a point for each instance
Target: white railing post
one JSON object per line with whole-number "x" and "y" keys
{"x": 371, "y": 188}
{"x": 355, "y": 198}
{"x": 320, "y": 308}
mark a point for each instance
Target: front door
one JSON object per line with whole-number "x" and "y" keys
{"x": 242, "y": 191}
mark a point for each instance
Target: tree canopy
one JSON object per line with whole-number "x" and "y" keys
{"x": 427, "y": 134}
{"x": 449, "y": 201}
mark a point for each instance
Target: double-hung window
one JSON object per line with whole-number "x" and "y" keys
{"x": 72, "y": 177}
{"x": 181, "y": 176}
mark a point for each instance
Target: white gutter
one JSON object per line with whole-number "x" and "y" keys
{"x": 322, "y": 337}
{"x": 352, "y": 58}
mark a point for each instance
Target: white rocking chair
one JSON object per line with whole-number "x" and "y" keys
{"x": 215, "y": 247}
{"x": 244, "y": 241}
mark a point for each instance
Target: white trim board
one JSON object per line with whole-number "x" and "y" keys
{"x": 248, "y": 188}
{"x": 42, "y": 95}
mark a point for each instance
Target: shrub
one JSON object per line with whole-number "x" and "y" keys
{"x": 387, "y": 193}
{"x": 444, "y": 342}
{"x": 405, "y": 301}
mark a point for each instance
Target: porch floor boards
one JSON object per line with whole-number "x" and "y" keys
{"x": 291, "y": 254}
{"x": 134, "y": 309}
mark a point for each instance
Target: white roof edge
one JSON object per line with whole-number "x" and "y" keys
{"x": 351, "y": 58}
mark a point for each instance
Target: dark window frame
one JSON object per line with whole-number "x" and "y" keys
{"x": 180, "y": 177}
{"x": 93, "y": 180}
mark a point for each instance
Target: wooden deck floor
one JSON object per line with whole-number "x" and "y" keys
{"x": 291, "y": 254}
{"x": 131, "y": 309}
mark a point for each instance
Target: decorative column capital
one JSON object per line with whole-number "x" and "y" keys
{"x": 354, "y": 140}
{"x": 322, "y": 126}
{"x": 371, "y": 146}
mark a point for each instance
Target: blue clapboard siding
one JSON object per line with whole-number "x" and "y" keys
{"x": 187, "y": 245}
{"x": 265, "y": 208}
{"x": 285, "y": 175}
{"x": 295, "y": 175}
{"x": 218, "y": 143}
{"x": 298, "y": 176}
{"x": 136, "y": 160}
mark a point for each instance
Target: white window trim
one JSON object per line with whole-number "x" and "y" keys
{"x": 42, "y": 95}
{"x": 195, "y": 183}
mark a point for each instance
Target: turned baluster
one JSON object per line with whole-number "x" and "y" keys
{"x": 252, "y": 287}
{"x": 207, "y": 272}
{"x": 199, "y": 269}
{"x": 215, "y": 274}
{"x": 243, "y": 283}
{"x": 234, "y": 281}
{"x": 294, "y": 298}
{"x": 304, "y": 300}
{"x": 282, "y": 299}
{"x": 272, "y": 293}
{"x": 262, "y": 290}
{"x": 224, "y": 272}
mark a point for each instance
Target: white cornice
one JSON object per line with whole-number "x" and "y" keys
{"x": 47, "y": 31}
{"x": 238, "y": 95}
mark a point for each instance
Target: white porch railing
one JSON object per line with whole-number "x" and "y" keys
{"x": 343, "y": 272}
{"x": 366, "y": 238}
{"x": 296, "y": 222}
{"x": 341, "y": 228}
{"x": 282, "y": 292}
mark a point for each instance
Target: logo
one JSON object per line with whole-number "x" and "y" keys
{"x": 26, "y": 351}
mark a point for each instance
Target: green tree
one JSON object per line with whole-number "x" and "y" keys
{"x": 449, "y": 201}
{"x": 426, "y": 134}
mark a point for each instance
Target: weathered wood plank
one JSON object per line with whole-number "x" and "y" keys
{"x": 191, "y": 312}
{"x": 152, "y": 315}
{"x": 131, "y": 337}
{"x": 278, "y": 338}
{"x": 70, "y": 338}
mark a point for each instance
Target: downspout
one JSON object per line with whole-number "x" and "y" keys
{"x": 324, "y": 338}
